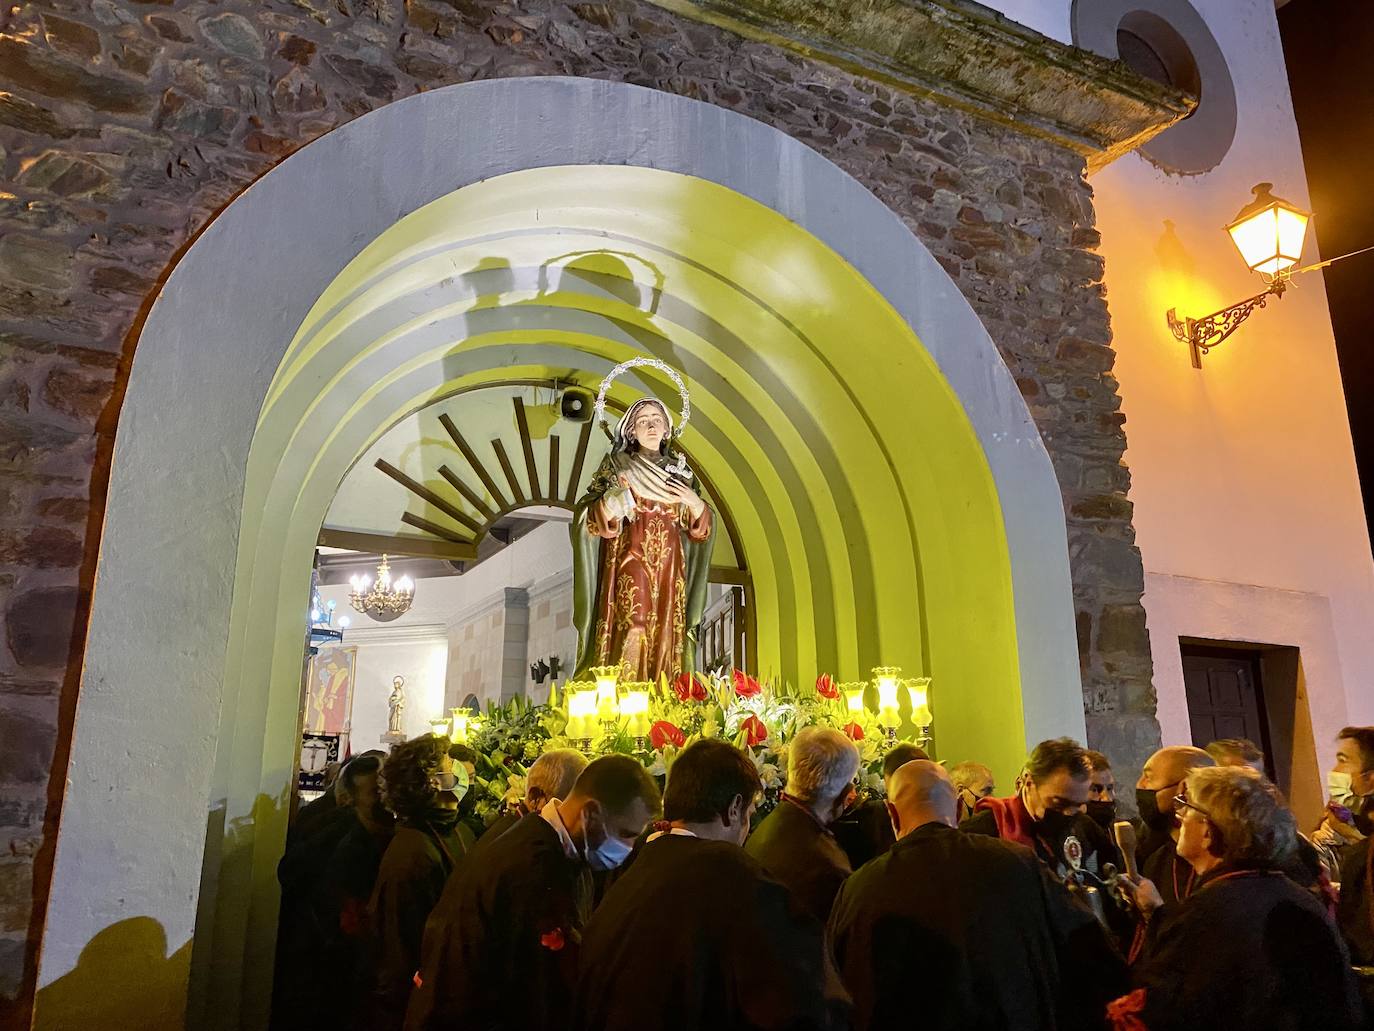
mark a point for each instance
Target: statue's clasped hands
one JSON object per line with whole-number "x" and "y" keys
{"x": 687, "y": 497}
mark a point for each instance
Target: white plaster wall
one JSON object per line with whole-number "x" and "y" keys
{"x": 1243, "y": 476}
{"x": 448, "y": 634}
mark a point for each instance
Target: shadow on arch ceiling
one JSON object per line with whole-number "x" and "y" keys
{"x": 438, "y": 480}
{"x": 822, "y": 350}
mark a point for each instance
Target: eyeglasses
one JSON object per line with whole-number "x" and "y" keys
{"x": 1182, "y": 801}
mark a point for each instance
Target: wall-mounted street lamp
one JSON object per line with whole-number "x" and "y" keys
{"x": 1269, "y": 233}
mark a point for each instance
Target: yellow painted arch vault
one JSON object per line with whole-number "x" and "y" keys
{"x": 865, "y": 507}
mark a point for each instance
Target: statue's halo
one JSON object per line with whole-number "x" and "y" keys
{"x": 600, "y": 408}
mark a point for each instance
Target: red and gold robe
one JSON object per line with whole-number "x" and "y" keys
{"x": 641, "y": 604}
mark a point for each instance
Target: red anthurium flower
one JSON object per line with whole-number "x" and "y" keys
{"x": 553, "y": 940}
{"x": 745, "y": 685}
{"x": 688, "y": 688}
{"x": 855, "y": 732}
{"x": 755, "y": 732}
{"x": 825, "y": 686}
{"x": 664, "y": 733}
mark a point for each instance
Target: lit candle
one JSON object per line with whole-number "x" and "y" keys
{"x": 439, "y": 726}
{"x": 854, "y": 698}
{"x": 459, "y": 724}
{"x": 885, "y": 678}
{"x": 581, "y": 712}
{"x": 919, "y": 691}
{"x": 634, "y": 708}
{"x": 606, "y": 677}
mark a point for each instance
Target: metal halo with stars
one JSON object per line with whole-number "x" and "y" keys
{"x": 599, "y": 409}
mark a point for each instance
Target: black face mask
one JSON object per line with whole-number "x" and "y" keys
{"x": 1145, "y": 801}
{"x": 1055, "y": 826}
{"x": 1102, "y": 813}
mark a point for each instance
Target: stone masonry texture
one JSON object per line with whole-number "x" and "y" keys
{"x": 126, "y": 125}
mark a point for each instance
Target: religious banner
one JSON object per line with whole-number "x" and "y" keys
{"x": 329, "y": 691}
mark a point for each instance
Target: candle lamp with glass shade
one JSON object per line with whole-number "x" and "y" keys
{"x": 918, "y": 690}
{"x": 439, "y": 726}
{"x": 581, "y": 700}
{"x": 887, "y": 681}
{"x": 607, "y": 680}
{"x": 460, "y": 723}
{"x": 1269, "y": 233}
{"x": 634, "y": 710}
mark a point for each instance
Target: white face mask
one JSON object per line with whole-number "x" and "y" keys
{"x": 1340, "y": 786}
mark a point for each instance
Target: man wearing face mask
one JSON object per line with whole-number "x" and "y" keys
{"x": 865, "y": 831}
{"x": 1161, "y": 782}
{"x": 421, "y": 786}
{"x": 1048, "y": 808}
{"x": 1349, "y": 817}
{"x": 501, "y": 949}
{"x": 949, "y": 931}
{"x": 695, "y": 934}
{"x": 972, "y": 781}
{"x": 794, "y": 842}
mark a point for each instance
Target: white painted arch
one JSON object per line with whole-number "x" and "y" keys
{"x": 177, "y": 753}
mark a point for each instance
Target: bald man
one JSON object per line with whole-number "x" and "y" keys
{"x": 1160, "y": 782}
{"x": 961, "y": 931}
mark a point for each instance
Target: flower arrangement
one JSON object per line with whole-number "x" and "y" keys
{"x": 759, "y": 717}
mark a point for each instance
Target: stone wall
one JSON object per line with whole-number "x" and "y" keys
{"x": 126, "y": 124}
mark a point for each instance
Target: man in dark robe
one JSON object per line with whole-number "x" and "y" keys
{"x": 1048, "y": 809}
{"x": 1160, "y": 783}
{"x": 306, "y": 965}
{"x": 551, "y": 776}
{"x": 1355, "y": 915}
{"x": 865, "y": 831}
{"x": 500, "y": 950}
{"x": 794, "y": 842}
{"x": 419, "y": 785}
{"x": 960, "y": 932}
{"x": 695, "y": 935}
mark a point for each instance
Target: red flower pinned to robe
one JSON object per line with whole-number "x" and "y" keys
{"x": 553, "y": 940}
{"x": 664, "y": 733}
{"x": 855, "y": 732}
{"x": 825, "y": 686}
{"x": 745, "y": 685}
{"x": 688, "y": 688}
{"x": 755, "y": 732}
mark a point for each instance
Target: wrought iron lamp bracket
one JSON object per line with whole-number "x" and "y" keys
{"x": 1201, "y": 335}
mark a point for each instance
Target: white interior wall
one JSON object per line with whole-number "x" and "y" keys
{"x": 449, "y": 620}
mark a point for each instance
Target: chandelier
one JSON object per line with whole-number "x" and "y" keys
{"x": 381, "y": 599}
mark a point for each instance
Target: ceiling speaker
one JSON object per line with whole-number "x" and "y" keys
{"x": 576, "y": 405}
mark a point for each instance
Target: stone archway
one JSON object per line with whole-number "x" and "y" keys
{"x": 302, "y": 323}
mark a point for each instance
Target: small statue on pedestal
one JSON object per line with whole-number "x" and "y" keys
{"x": 396, "y": 704}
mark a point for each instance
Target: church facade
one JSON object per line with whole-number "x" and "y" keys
{"x": 225, "y": 230}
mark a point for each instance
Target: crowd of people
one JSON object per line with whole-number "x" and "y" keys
{"x": 606, "y": 901}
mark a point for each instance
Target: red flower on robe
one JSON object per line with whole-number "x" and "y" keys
{"x": 745, "y": 685}
{"x": 553, "y": 940}
{"x": 755, "y": 732}
{"x": 664, "y": 733}
{"x": 688, "y": 688}
{"x": 855, "y": 732}
{"x": 825, "y": 686}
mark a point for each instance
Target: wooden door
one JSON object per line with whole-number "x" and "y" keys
{"x": 1224, "y": 697}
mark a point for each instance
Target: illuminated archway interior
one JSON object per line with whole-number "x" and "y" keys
{"x": 887, "y": 491}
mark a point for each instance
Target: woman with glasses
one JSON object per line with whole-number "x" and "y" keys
{"x": 1247, "y": 948}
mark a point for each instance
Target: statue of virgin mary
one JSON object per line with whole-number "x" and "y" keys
{"x": 641, "y": 553}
